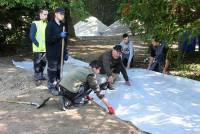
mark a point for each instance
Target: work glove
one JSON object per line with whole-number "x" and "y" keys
{"x": 66, "y": 56}
{"x": 63, "y": 34}
{"x": 111, "y": 110}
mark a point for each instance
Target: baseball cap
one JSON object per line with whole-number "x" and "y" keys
{"x": 118, "y": 48}
{"x": 60, "y": 10}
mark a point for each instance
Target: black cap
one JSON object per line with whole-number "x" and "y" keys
{"x": 60, "y": 10}
{"x": 118, "y": 48}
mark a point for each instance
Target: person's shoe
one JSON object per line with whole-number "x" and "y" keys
{"x": 41, "y": 77}
{"x": 104, "y": 86}
{"x": 64, "y": 103}
{"x": 50, "y": 86}
{"x": 38, "y": 82}
{"x": 68, "y": 103}
{"x": 111, "y": 87}
{"x": 52, "y": 89}
{"x": 54, "y": 92}
{"x": 36, "y": 76}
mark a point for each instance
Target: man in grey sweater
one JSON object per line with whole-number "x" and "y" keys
{"x": 127, "y": 51}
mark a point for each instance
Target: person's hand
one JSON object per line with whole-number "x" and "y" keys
{"x": 164, "y": 71}
{"x": 111, "y": 110}
{"x": 63, "y": 34}
{"x": 66, "y": 57}
{"x": 110, "y": 79}
{"x": 128, "y": 83}
{"x": 128, "y": 66}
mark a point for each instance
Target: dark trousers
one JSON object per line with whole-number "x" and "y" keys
{"x": 75, "y": 98}
{"x": 157, "y": 67}
{"x": 53, "y": 70}
{"x": 39, "y": 62}
{"x": 125, "y": 62}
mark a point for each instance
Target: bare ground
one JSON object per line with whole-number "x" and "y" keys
{"x": 88, "y": 51}
{"x": 17, "y": 84}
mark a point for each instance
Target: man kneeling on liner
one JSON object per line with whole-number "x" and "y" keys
{"x": 76, "y": 85}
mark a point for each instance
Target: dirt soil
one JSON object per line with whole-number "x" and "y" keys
{"x": 17, "y": 84}
{"x": 88, "y": 51}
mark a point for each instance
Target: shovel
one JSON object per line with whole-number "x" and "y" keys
{"x": 37, "y": 105}
{"x": 62, "y": 55}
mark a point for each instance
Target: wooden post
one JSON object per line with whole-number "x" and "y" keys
{"x": 62, "y": 55}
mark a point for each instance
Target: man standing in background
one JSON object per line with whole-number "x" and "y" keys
{"x": 127, "y": 51}
{"x": 54, "y": 35}
{"x": 158, "y": 56}
{"x": 37, "y": 36}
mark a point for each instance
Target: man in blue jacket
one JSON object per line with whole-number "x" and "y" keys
{"x": 54, "y": 35}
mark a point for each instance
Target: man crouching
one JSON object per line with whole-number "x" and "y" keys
{"x": 76, "y": 86}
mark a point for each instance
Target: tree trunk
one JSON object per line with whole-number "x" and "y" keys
{"x": 69, "y": 23}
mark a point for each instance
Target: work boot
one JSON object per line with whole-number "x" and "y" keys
{"x": 110, "y": 86}
{"x": 41, "y": 77}
{"x": 54, "y": 92}
{"x": 36, "y": 76}
{"x": 50, "y": 86}
{"x": 37, "y": 81}
{"x": 52, "y": 89}
{"x": 64, "y": 103}
{"x": 104, "y": 86}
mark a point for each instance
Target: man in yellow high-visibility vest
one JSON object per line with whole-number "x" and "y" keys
{"x": 37, "y": 36}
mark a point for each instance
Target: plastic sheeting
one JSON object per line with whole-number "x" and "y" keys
{"x": 156, "y": 103}
{"x": 94, "y": 27}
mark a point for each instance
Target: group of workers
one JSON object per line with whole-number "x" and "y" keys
{"x": 74, "y": 88}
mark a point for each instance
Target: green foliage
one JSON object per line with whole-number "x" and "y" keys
{"x": 168, "y": 19}
{"x": 20, "y": 14}
{"x": 165, "y": 18}
{"x": 78, "y": 9}
{"x": 25, "y": 3}
{"x": 76, "y": 5}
